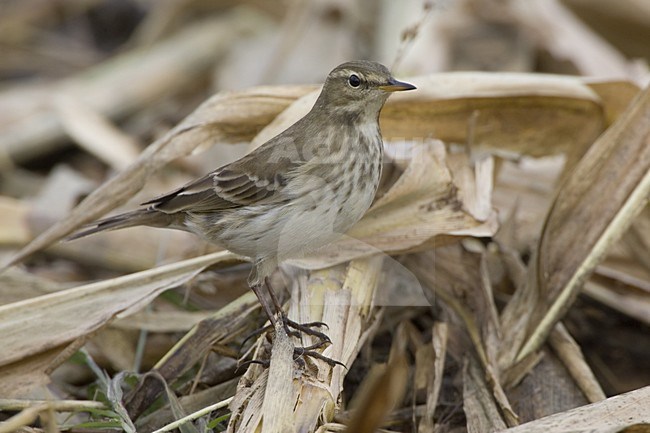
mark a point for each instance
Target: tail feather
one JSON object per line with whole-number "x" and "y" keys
{"x": 141, "y": 217}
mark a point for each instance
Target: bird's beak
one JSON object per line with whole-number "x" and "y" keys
{"x": 396, "y": 86}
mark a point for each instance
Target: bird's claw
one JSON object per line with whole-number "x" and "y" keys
{"x": 305, "y": 328}
{"x": 295, "y": 329}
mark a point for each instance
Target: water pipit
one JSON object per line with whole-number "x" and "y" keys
{"x": 294, "y": 194}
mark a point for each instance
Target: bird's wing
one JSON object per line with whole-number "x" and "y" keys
{"x": 257, "y": 178}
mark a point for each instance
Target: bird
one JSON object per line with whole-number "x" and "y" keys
{"x": 295, "y": 193}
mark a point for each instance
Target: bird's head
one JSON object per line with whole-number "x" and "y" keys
{"x": 359, "y": 87}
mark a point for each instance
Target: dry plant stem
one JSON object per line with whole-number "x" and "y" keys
{"x": 515, "y": 317}
{"x": 190, "y": 403}
{"x": 280, "y": 395}
{"x": 571, "y": 356}
{"x": 611, "y": 415}
{"x": 96, "y": 134}
{"x": 183, "y": 57}
{"x": 439, "y": 338}
{"x": 194, "y": 415}
{"x": 617, "y": 167}
{"x": 197, "y": 376}
{"x": 223, "y": 326}
{"x": 57, "y": 405}
{"x": 635, "y": 303}
{"x": 68, "y": 351}
{"x": 22, "y": 419}
{"x": 341, "y": 296}
{"x": 344, "y": 301}
{"x": 410, "y": 34}
{"x": 618, "y": 226}
{"x": 517, "y": 372}
{"x": 472, "y": 327}
{"x": 567, "y": 37}
{"x": 162, "y": 321}
{"x": 613, "y": 19}
{"x": 429, "y": 362}
{"x": 331, "y": 427}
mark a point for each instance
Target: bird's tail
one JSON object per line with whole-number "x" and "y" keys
{"x": 141, "y": 217}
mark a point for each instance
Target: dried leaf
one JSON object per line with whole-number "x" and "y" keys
{"x": 221, "y": 327}
{"x": 382, "y": 391}
{"x": 593, "y": 208}
{"x": 480, "y": 408}
{"x": 525, "y": 114}
{"x": 162, "y": 321}
{"x": 545, "y": 388}
{"x": 453, "y": 274}
{"x": 616, "y": 96}
{"x": 18, "y": 284}
{"x": 37, "y": 325}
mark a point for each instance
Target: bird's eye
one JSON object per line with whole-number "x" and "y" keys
{"x": 354, "y": 80}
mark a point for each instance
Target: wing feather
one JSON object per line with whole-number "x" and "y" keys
{"x": 242, "y": 183}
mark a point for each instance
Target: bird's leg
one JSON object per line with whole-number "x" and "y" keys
{"x": 274, "y": 298}
{"x": 257, "y": 289}
{"x": 286, "y": 322}
{"x": 307, "y": 328}
{"x": 292, "y": 328}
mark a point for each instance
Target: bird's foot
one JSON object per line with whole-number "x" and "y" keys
{"x": 297, "y": 330}
{"x": 294, "y": 329}
{"x": 299, "y": 354}
{"x": 309, "y": 352}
